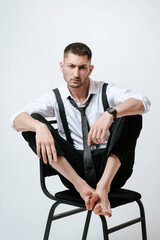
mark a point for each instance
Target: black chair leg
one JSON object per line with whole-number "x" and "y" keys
{"x": 143, "y": 221}
{"x": 88, "y": 218}
{"x": 49, "y": 221}
{"x": 105, "y": 227}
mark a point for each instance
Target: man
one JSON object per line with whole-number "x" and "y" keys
{"x": 111, "y": 138}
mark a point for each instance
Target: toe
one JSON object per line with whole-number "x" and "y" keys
{"x": 97, "y": 209}
{"x": 106, "y": 212}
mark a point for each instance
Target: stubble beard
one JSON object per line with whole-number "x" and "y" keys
{"x": 72, "y": 85}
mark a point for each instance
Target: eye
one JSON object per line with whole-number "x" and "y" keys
{"x": 71, "y": 66}
{"x": 82, "y": 67}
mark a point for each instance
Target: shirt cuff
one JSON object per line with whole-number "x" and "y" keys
{"x": 146, "y": 102}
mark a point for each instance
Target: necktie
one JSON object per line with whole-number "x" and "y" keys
{"x": 88, "y": 162}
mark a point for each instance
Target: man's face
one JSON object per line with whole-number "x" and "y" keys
{"x": 76, "y": 70}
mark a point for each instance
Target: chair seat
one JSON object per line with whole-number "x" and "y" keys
{"x": 117, "y": 198}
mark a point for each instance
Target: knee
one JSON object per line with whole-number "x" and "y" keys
{"x": 129, "y": 120}
{"x": 134, "y": 124}
{"x": 28, "y": 135}
{"x": 40, "y": 118}
{"x": 128, "y": 124}
{"x": 37, "y": 116}
{"x": 135, "y": 120}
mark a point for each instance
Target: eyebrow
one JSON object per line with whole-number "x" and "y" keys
{"x": 81, "y": 65}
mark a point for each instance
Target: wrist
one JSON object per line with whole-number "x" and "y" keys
{"x": 104, "y": 186}
{"x": 109, "y": 116}
{"x": 38, "y": 125}
{"x": 112, "y": 111}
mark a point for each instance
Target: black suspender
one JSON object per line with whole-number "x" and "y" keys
{"x": 104, "y": 97}
{"x": 63, "y": 114}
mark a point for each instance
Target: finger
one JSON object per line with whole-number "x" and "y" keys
{"x": 49, "y": 154}
{"x": 43, "y": 149}
{"x": 54, "y": 152}
{"x": 98, "y": 137}
{"x": 104, "y": 135}
{"x": 94, "y": 137}
{"x": 39, "y": 150}
{"x": 87, "y": 203}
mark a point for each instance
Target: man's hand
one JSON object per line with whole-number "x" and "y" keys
{"x": 98, "y": 131}
{"x": 45, "y": 144}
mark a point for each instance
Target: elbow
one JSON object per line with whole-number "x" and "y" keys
{"x": 140, "y": 106}
{"x": 15, "y": 125}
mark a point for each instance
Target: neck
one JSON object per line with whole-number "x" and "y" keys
{"x": 80, "y": 93}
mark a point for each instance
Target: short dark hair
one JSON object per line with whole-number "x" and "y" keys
{"x": 78, "y": 48}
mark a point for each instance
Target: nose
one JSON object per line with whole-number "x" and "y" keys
{"x": 76, "y": 72}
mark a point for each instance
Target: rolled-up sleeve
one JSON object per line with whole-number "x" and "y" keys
{"x": 117, "y": 95}
{"x": 43, "y": 105}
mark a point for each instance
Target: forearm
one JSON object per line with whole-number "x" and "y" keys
{"x": 98, "y": 130}
{"x": 131, "y": 106}
{"x": 24, "y": 122}
{"x": 44, "y": 140}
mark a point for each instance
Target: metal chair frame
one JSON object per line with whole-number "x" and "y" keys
{"x": 80, "y": 207}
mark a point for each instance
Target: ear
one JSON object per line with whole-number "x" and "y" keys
{"x": 91, "y": 69}
{"x": 61, "y": 66}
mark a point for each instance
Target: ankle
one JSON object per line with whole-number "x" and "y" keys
{"x": 103, "y": 187}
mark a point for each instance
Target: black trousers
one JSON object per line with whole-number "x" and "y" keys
{"x": 122, "y": 142}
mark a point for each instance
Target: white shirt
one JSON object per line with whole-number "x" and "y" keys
{"x": 47, "y": 107}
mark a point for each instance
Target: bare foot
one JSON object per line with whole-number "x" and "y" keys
{"x": 103, "y": 206}
{"x": 89, "y": 195}
{"x": 90, "y": 198}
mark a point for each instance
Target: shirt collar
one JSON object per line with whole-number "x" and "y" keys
{"x": 92, "y": 90}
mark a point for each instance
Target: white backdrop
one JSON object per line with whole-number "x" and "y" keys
{"x": 124, "y": 37}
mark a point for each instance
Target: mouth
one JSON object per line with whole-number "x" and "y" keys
{"x": 75, "y": 80}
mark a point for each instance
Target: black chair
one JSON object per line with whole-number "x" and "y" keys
{"x": 117, "y": 198}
